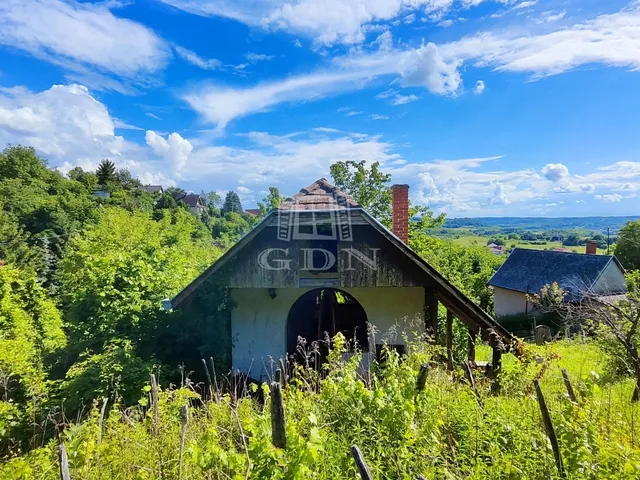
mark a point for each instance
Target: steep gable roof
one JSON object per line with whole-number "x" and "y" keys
{"x": 320, "y": 195}
{"x": 528, "y": 271}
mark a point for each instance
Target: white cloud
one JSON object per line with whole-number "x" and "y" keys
{"x": 384, "y": 41}
{"x": 328, "y": 22}
{"x": 375, "y": 116}
{"x": 82, "y": 36}
{"x": 244, "y": 190}
{"x": 499, "y": 197}
{"x": 403, "y": 99}
{"x": 555, "y": 172}
{"x": 152, "y": 115}
{"x": 174, "y": 148}
{"x": 609, "y": 197}
{"x": 479, "y": 88}
{"x": 194, "y": 59}
{"x": 526, "y": 4}
{"x": 550, "y": 17}
{"x": 258, "y": 57}
{"x": 425, "y": 67}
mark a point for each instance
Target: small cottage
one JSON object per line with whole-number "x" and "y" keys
{"x": 319, "y": 265}
{"x": 528, "y": 271}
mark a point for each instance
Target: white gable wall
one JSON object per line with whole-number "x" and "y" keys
{"x": 259, "y": 324}
{"x": 610, "y": 281}
{"x": 509, "y": 302}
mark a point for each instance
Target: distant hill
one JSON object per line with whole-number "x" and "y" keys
{"x": 542, "y": 223}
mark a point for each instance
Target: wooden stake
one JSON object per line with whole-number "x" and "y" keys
{"x": 548, "y": 425}
{"x": 154, "y": 403}
{"x": 215, "y": 380}
{"x": 64, "y": 463}
{"x": 471, "y": 348}
{"x": 567, "y": 383}
{"x": 468, "y": 373}
{"x": 449, "y": 340}
{"x": 101, "y": 419}
{"x": 209, "y": 382}
{"x": 422, "y": 377}
{"x": 278, "y": 424}
{"x": 496, "y": 366}
{"x": 185, "y": 420}
{"x": 283, "y": 368}
{"x": 361, "y": 465}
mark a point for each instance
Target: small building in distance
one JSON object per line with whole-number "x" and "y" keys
{"x": 528, "y": 271}
{"x": 254, "y": 212}
{"x": 196, "y": 203}
{"x": 153, "y": 189}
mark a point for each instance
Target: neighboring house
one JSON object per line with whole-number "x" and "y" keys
{"x": 153, "y": 189}
{"x": 497, "y": 249}
{"x": 320, "y": 263}
{"x": 254, "y": 212}
{"x": 196, "y": 203}
{"x": 527, "y": 271}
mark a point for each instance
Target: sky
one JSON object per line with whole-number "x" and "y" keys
{"x": 484, "y": 107}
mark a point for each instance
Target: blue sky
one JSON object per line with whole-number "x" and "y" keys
{"x": 484, "y": 107}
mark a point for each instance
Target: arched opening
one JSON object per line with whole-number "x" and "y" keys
{"x": 325, "y": 311}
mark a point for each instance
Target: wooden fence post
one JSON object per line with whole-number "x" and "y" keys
{"x": 471, "y": 348}
{"x": 422, "y": 377}
{"x": 154, "y": 402}
{"x": 542, "y": 334}
{"x": 468, "y": 373}
{"x": 361, "y": 465}
{"x": 432, "y": 310}
{"x": 567, "y": 383}
{"x": 184, "y": 414}
{"x": 64, "y": 462}
{"x": 449, "y": 340}
{"x": 283, "y": 368}
{"x": 215, "y": 380}
{"x": 548, "y": 425}
{"x": 278, "y": 425}
{"x": 209, "y": 382}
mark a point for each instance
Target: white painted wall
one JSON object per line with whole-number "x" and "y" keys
{"x": 611, "y": 280}
{"x": 509, "y": 302}
{"x": 258, "y": 323}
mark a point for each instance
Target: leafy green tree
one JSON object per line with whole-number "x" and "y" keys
{"x": 106, "y": 172}
{"x": 124, "y": 178}
{"x": 88, "y": 179}
{"x": 628, "y": 246}
{"x": 212, "y": 198}
{"x": 22, "y": 163}
{"x": 572, "y": 240}
{"x": 367, "y": 186}
{"x": 30, "y": 333}
{"x": 272, "y": 201}
{"x": 232, "y": 203}
{"x": 15, "y": 248}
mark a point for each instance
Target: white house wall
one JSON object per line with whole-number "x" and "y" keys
{"x": 611, "y": 280}
{"x": 259, "y": 330}
{"x": 509, "y": 302}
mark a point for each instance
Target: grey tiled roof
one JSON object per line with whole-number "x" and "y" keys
{"x": 530, "y": 270}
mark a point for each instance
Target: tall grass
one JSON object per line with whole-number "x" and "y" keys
{"x": 442, "y": 432}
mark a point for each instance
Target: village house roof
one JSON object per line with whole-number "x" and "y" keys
{"x": 253, "y": 211}
{"x": 320, "y": 195}
{"x": 528, "y": 271}
{"x": 191, "y": 199}
{"x": 153, "y": 188}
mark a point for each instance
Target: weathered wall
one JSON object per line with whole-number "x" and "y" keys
{"x": 611, "y": 280}
{"x": 509, "y": 302}
{"x": 259, "y": 323}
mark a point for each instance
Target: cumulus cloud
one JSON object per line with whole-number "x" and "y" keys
{"x": 479, "y": 88}
{"x": 499, "y": 197}
{"x": 425, "y": 67}
{"x": 83, "y": 38}
{"x": 258, "y": 57}
{"x": 609, "y": 197}
{"x": 555, "y": 172}
{"x": 174, "y": 148}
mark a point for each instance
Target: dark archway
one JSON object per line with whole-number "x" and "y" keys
{"x": 325, "y": 311}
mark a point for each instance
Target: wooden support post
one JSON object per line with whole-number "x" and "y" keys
{"x": 449, "y": 340}
{"x": 361, "y": 465}
{"x": 548, "y": 425}
{"x": 278, "y": 426}
{"x": 567, "y": 383}
{"x": 432, "y": 312}
{"x": 184, "y": 414}
{"x": 209, "y": 382}
{"x": 283, "y": 369}
{"x": 422, "y": 377}
{"x": 468, "y": 373}
{"x": 64, "y": 463}
{"x": 471, "y": 350}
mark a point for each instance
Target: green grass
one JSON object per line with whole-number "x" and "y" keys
{"x": 442, "y": 432}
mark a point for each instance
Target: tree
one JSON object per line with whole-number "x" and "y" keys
{"x": 367, "y": 186}
{"x": 628, "y": 246}
{"x": 232, "y": 203}
{"x": 125, "y": 179}
{"x": 212, "y": 198}
{"x": 272, "y": 201}
{"x": 106, "y": 172}
{"x": 572, "y": 240}
{"x": 88, "y": 179}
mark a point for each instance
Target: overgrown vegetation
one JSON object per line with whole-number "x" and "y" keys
{"x": 442, "y": 432}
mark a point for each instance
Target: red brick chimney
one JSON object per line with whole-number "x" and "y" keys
{"x": 400, "y": 219}
{"x": 592, "y": 247}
